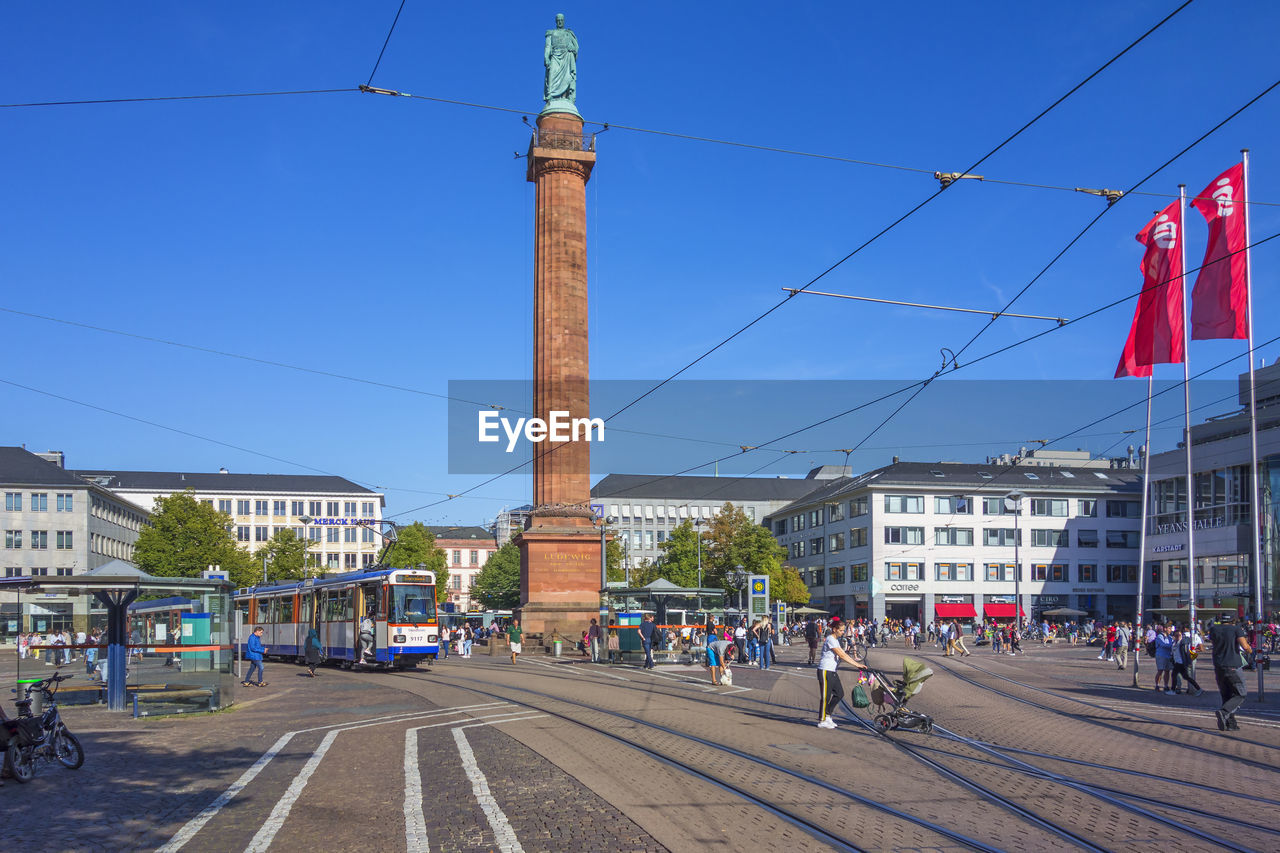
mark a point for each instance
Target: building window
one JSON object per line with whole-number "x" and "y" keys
{"x": 348, "y": 534}
{"x": 837, "y": 542}
{"x": 1086, "y": 538}
{"x": 815, "y": 545}
{"x": 835, "y": 512}
{"x": 902, "y": 571}
{"x": 349, "y": 508}
{"x": 349, "y": 561}
{"x": 904, "y": 503}
{"x": 995, "y": 506}
{"x": 837, "y": 575}
{"x": 1088, "y": 573}
{"x": 953, "y": 535}
{"x": 780, "y": 527}
{"x": 953, "y": 571}
{"x": 40, "y": 540}
{"x": 314, "y": 509}
{"x": 315, "y": 534}
{"x": 366, "y": 560}
{"x": 242, "y": 507}
{"x": 277, "y": 507}
{"x": 224, "y": 505}
{"x": 64, "y": 540}
{"x": 1122, "y": 539}
{"x": 261, "y": 533}
{"x": 858, "y": 506}
{"x": 332, "y": 506}
{"x": 1050, "y": 507}
{"x": 13, "y": 501}
{"x": 332, "y": 561}
{"x": 39, "y": 501}
{"x": 858, "y": 573}
{"x": 1058, "y": 572}
{"x": 455, "y": 582}
{"x": 1123, "y": 509}
{"x": 1005, "y": 537}
{"x": 62, "y": 572}
{"x": 39, "y": 572}
{"x": 953, "y": 505}
{"x": 1087, "y": 508}
{"x": 66, "y": 502}
{"x": 12, "y": 539}
{"x": 1039, "y": 572}
{"x": 260, "y": 507}
{"x": 366, "y": 534}
{"x": 297, "y": 508}
{"x": 857, "y": 537}
{"x": 999, "y": 571}
{"x": 797, "y": 523}
{"x": 1049, "y": 539}
{"x": 457, "y": 558}
{"x": 904, "y": 535}
{"x": 475, "y": 558}
{"x": 366, "y": 509}
{"x": 799, "y": 548}
{"x": 1122, "y": 573}
{"x": 13, "y": 571}
{"x": 819, "y": 578}
{"x": 331, "y": 534}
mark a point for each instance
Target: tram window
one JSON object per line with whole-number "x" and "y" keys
{"x": 243, "y": 607}
{"x": 338, "y": 608}
{"x": 304, "y": 610}
{"x": 264, "y": 611}
{"x": 286, "y": 610}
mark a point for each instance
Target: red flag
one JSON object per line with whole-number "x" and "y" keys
{"x": 1156, "y": 334}
{"x": 1219, "y": 301}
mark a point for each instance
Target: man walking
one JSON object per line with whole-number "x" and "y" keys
{"x": 1229, "y": 643}
{"x": 514, "y": 634}
{"x": 254, "y": 656}
{"x": 647, "y": 631}
{"x": 811, "y": 639}
{"x": 595, "y": 636}
{"x": 1121, "y": 651}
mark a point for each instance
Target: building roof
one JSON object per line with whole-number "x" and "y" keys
{"x": 943, "y": 476}
{"x": 455, "y": 533}
{"x": 177, "y": 481}
{"x": 21, "y": 467}
{"x": 709, "y": 489}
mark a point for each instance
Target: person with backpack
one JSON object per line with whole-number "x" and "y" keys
{"x": 1229, "y": 647}
{"x": 811, "y": 638}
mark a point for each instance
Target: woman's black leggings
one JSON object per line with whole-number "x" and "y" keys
{"x": 829, "y": 683}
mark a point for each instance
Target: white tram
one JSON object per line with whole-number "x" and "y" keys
{"x": 400, "y": 602}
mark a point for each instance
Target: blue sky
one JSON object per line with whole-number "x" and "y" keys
{"x": 391, "y": 240}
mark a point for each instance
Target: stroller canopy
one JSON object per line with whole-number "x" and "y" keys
{"x": 914, "y": 675}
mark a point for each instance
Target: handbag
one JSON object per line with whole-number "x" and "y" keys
{"x": 859, "y": 697}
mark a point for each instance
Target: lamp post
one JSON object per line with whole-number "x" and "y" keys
{"x": 1014, "y": 500}
{"x": 737, "y": 577}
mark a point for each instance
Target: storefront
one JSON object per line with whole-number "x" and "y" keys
{"x": 1001, "y": 608}
{"x": 948, "y": 607}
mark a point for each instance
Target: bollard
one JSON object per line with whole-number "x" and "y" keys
{"x": 557, "y": 645}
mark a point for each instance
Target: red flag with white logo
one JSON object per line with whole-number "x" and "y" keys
{"x": 1219, "y": 301}
{"x": 1156, "y": 334}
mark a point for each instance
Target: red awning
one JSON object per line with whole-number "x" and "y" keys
{"x": 956, "y": 611}
{"x": 994, "y": 610}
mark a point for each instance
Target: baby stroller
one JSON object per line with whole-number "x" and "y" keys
{"x": 896, "y": 693}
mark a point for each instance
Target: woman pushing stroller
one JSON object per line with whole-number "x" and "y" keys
{"x": 828, "y": 681}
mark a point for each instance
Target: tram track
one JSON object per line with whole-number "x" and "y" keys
{"x": 684, "y": 764}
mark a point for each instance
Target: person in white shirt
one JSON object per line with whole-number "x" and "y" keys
{"x": 828, "y": 681}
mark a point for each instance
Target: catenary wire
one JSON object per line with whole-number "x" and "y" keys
{"x": 179, "y": 98}
{"x": 386, "y": 42}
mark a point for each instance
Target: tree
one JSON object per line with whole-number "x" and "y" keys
{"x": 680, "y": 558}
{"x": 285, "y": 555}
{"x": 613, "y": 561}
{"x": 735, "y": 540}
{"x": 415, "y": 545}
{"x": 497, "y": 585}
{"x": 184, "y": 537}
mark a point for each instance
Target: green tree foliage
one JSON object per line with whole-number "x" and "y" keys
{"x": 497, "y": 585}
{"x": 415, "y": 545}
{"x": 286, "y": 556}
{"x": 735, "y": 540}
{"x": 613, "y": 561}
{"x": 679, "y": 562}
{"x": 184, "y": 537}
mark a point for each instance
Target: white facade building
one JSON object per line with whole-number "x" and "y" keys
{"x": 937, "y": 540}
{"x": 466, "y": 550}
{"x": 330, "y": 511}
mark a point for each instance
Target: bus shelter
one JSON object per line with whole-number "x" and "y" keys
{"x": 151, "y": 644}
{"x": 671, "y": 605}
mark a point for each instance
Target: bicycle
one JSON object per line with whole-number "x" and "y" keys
{"x": 30, "y": 738}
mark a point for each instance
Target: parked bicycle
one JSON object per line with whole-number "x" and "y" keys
{"x": 29, "y": 739}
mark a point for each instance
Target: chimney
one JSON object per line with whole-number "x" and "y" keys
{"x": 895, "y": 460}
{"x": 57, "y": 457}
{"x": 222, "y": 470}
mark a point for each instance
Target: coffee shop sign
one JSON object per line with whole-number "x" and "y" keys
{"x": 904, "y": 587}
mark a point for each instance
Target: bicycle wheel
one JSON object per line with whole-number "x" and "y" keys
{"x": 860, "y": 652}
{"x": 20, "y": 762}
{"x": 67, "y": 749}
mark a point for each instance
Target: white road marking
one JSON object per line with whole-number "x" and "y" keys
{"x": 191, "y": 827}
{"x": 503, "y": 835}
{"x": 267, "y": 832}
{"x": 415, "y": 822}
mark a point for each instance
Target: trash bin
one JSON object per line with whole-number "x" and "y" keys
{"x": 556, "y": 647}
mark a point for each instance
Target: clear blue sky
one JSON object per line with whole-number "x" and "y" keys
{"x": 390, "y": 239}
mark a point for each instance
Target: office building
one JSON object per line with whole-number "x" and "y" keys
{"x": 466, "y": 550}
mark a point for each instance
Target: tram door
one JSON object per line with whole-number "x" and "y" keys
{"x": 321, "y": 600}
{"x": 368, "y": 606}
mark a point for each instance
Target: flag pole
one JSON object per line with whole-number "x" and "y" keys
{"x": 1255, "y": 483}
{"x": 1186, "y": 402}
{"x": 1139, "y": 624}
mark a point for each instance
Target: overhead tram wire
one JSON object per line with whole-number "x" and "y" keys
{"x": 385, "y": 42}
{"x": 179, "y": 98}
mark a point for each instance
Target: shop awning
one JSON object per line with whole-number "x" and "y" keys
{"x": 956, "y": 611}
{"x": 999, "y": 611}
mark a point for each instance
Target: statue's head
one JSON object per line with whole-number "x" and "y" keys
{"x": 560, "y": 22}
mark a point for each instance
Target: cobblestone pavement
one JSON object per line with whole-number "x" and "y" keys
{"x": 479, "y": 755}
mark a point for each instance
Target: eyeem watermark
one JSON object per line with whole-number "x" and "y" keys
{"x": 559, "y": 428}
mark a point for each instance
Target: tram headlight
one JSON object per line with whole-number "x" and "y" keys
{"x": 399, "y": 638}
{"x": 431, "y": 638}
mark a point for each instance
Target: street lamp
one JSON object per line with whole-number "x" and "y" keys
{"x": 738, "y": 578}
{"x": 1013, "y": 501}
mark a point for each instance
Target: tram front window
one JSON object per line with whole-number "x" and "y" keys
{"x": 413, "y": 603}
